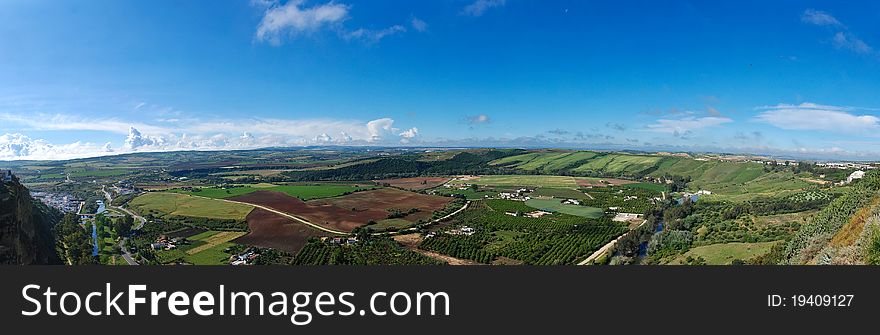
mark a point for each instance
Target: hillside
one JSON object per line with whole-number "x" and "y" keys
{"x": 844, "y": 232}
{"x": 25, "y": 227}
{"x": 726, "y": 179}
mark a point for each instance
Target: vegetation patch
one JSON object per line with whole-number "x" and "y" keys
{"x": 725, "y": 253}
{"x": 161, "y": 203}
{"x": 304, "y": 192}
{"x": 556, "y": 205}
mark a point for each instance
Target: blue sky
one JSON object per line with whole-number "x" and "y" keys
{"x": 788, "y": 78}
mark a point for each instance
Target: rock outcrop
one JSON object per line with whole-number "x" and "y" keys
{"x": 25, "y": 226}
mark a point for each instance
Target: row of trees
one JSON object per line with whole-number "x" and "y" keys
{"x": 367, "y": 251}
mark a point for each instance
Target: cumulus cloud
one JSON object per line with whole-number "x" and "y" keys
{"x": 323, "y": 138}
{"x": 479, "y": 7}
{"x": 811, "y": 116}
{"x": 407, "y": 135}
{"x": 819, "y": 18}
{"x": 194, "y": 134}
{"x": 686, "y": 126}
{"x": 20, "y": 147}
{"x": 380, "y": 127}
{"x": 136, "y": 140}
{"x": 294, "y": 18}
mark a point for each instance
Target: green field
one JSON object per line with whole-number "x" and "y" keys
{"x": 211, "y": 256}
{"x": 556, "y": 205}
{"x": 83, "y": 173}
{"x": 616, "y": 163}
{"x": 304, "y": 192}
{"x": 467, "y": 193}
{"x": 207, "y": 248}
{"x": 727, "y": 180}
{"x": 724, "y": 253}
{"x": 383, "y": 225}
{"x": 184, "y": 205}
{"x": 525, "y": 181}
{"x": 564, "y": 193}
{"x": 648, "y": 186}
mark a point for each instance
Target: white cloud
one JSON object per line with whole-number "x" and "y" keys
{"x": 479, "y": 7}
{"x": 478, "y": 119}
{"x": 686, "y": 126}
{"x": 63, "y": 122}
{"x": 410, "y": 133}
{"x": 848, "y": 41}
{"x": 810, "y": 116}
{"x": 323, "y": 138}
{"x": 843, "y": 39}
{"x": 819, "y": 18}
{"x": 21, "y": 147}
{"x": 379, "y": 128}
{"x": 194, "y": 134}
{"x": 418, "y": 24}
{"x": 374, "y": 36}
{"x": 136, "y": 140}
{"x": 293, "y": 18}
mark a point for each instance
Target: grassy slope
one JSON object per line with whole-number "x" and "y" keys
{"x": 724, "y": 253}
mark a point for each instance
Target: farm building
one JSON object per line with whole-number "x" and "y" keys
{"x": 855, "y": 175}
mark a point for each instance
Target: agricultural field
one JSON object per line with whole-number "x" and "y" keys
{"x": 162, "y": 204}
{"x": 556, "y": 238}
{"x": 304, "y": 192}
{"x": 525, "y": 181}
{"x": 547, "y": 162}
{"x": 270, "y": 230}
{"x": 724, "y": 253}
{"x": 354, "y": 210}
{"x": 563, "y": 193}
{"x": 727, "y": 180}
{"x": 206, "y": 248}
{"x": 415, "y": 183}
{"x": 625, "y": 199}
{"x": 619, "y": 164}
{"x": 556, "y": 205}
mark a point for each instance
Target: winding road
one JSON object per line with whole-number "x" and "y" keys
{"x": 329, "y": 230}
{"x": 126, "y": 255}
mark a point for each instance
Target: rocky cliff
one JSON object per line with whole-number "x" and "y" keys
{"x": 25, "y": 226}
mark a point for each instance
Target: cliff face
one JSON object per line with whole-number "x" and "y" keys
{"x": 25, "y": 227}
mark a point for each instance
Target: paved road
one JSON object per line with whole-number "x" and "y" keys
{"x": 126, "y": 255}
{"x": 298, "y": 219}
{"x": 316, "y": 226}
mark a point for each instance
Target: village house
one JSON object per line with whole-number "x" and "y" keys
{"x": 855, "y": 175}
{"x": 463, "y": 230}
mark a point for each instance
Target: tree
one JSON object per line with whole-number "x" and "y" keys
{"x": 123, "y": 226}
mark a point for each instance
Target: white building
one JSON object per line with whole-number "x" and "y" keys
{"x": 855, "y": 175}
